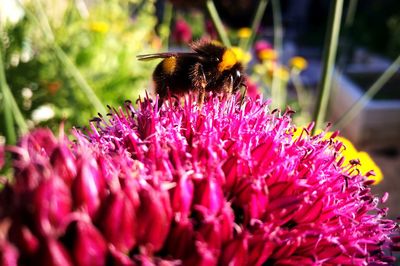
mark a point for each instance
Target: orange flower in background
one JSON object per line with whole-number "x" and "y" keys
{"x": 267, "y": 55}
{"x": 53, "y": 87}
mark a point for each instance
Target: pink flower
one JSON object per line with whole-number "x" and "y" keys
{"x": 226, "y": 183}
{"x": 182, "y": 33}
{"x": 2, "y": 155}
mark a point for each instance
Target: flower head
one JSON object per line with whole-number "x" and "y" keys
{"x": 226, "y": 183}
{"x": 99, "y": 26}
{"x": 244, "y": 33}
{"x": 298, "y": 63}
{"x": 182, "y": 32}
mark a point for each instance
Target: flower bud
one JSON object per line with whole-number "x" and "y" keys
{"x": 182, "y": 196}
{"x": 155, "y": 217}
{"x": 51, "y": 203}
{"x": 117, "y": 258}
{"x": 181, "y": 238}
{"x": 86, "y": 244}
{"x": 88, "y": 186}
{"x": 117, "y": 221}
{"x": 202, "y": 255}
{"x": 235, "y": 252}
{"x": 209, "y": 194}
{"x": 8, "y": 254}
{"x": 252, "y": 197}
{"x": 2, "y": 156}
{"x": 226, "y": 220}
{"x": 52, "y": 253}
{"x": 22, "y": 237}
{"x": 63, "y": 163}
{"x": 39, "y": 142}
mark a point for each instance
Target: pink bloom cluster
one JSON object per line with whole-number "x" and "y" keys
{"x": 224, "y": 184}
{"x": 182, "y": 33}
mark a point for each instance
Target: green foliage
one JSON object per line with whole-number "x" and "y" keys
{"x": 102, "y": 41}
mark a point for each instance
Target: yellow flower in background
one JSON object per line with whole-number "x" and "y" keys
{"x": 99, "y": 26}
{"x": 242, "y": 56}
{"x": 244, "y": 33}
{"x": 267, "y": 55}
{"x": 281, "y": 73}
{"x": 299, "y": 63}
{"x": 350, "y": 153}
{"x": 368, "y": 164}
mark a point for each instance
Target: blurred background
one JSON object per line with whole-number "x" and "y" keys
{"x": 64, "y": 61}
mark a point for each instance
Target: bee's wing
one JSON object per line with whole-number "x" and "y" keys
{"x": 146, "y": 57}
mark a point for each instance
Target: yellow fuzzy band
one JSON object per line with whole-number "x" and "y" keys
{"x": 169, "y": 65}
{"x": 228, "y": 60}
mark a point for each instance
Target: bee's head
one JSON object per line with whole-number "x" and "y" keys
{"x": 216, "y": 54}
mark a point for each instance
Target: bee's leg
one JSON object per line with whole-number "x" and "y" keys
{"x": 200, "y": 82}
{"x": 227, "y": 88}
{"x": 230, "y": 87}
{"x": 243, "y": 97}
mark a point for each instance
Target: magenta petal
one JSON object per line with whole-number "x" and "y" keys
{"x": 87, "y": 245}
{"x": 53, "y": 254}
{"x": 182, "y": 196}
{"x": 64, "y": 163}
{"x": 88, "y": 186}
{"x": 52, "y": 202}
{"x": 155, "y": 218}
{"x": 24, "y": 239}
{"x": 8, "y": 254}
{"x": 235, "y": 252}
{"x": 117, "y": 221}
{"x": 209, "y": 194}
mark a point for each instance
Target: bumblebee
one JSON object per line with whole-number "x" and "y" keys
{"x": 210, "y": 67}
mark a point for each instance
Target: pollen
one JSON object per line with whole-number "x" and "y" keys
{"x": 228, "y": 60}
{"x": 169, "y": 65}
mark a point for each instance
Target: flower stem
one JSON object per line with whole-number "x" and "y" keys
{"x": 218, "y": 23}
{"x": 277, "y": 88}
{"x": 255, "y": 25}
{"x": 70, "y": 67}
{"x": 166, "y": 23}
{"x": 10, "y": 107}
{"x": 300, "y": 91}
{"x": 355, "y": 109}
{"x": 350, "y": 14}
{"x": 331, "y": 43}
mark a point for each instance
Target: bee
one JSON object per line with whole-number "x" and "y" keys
{"x": 209, "y": 67}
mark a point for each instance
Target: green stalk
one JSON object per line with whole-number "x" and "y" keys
{"x": 166, "y": 24}
{"x": 79, "y": 79}
{"x": 277, "y": 89}
{"x": 360, "y": 103}
{"x": 351, "y": 11}
{"x": 11, "y": 110}
{"x": 218, "y": 23}
{"x": 44, "y": 25}
{"x": 255, "y": 25}
{"x": 331, "y": 44}
{"x": 7, "y": 109}
{"x": 300, "y": 91}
